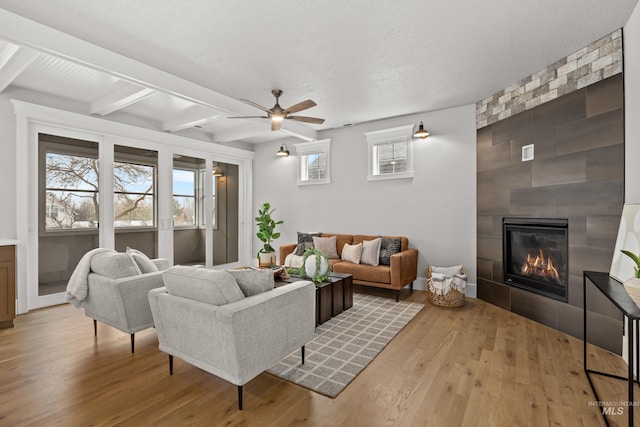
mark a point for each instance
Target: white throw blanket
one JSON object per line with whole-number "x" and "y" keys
{"x": 78, "y": 285}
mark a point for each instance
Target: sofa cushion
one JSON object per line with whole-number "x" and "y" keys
{"x": 389, "y": 246}
{"x": 403, "y": 246}
{"x": 326, "y": 245}
{"x": 253, "y": 282}
{"x": 216, "y": 287}
{"x": 305, "y": 241}
{"x": 341, "y": 239}
{"x": 363, "y": 272}
{"x": 352, "y": 253}
{"x": 371, "y": 251}
{"x": 114, "y": 265}
{"x": 143, "y": 261}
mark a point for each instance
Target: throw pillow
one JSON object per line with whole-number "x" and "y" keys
{"x": 144, "y": 263}
{"x": 326, "y": 245}
{"x": 389, "y": 246}
{"x": 253, "y": 282}
{"x": 371, "y": 251}
{"x": 216, "y": 287}
{"x": 305, "y": 241}
{"x": 352, "y": 253}
{"x": 114, "y": 265}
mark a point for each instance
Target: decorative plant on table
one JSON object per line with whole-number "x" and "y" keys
{"x": 636, "y": 259}
{"x": 315, "y": 265}
{"x": 267, "y": 234}
{"x": 632, "y": 286}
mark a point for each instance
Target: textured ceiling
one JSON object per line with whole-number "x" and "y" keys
{"x": 358, "y": 60}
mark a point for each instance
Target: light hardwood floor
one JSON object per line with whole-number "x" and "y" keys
{"x": 474, "y": 366}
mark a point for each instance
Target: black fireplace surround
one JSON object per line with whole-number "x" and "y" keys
{"x": 535, "y": 255}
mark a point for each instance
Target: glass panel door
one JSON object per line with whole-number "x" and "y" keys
{"x": 67, "y": 208}
{"x": 188, "y": 220}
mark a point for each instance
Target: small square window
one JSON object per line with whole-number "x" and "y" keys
{"x": 390, "y": 153}
{"x": 314, "y": 162}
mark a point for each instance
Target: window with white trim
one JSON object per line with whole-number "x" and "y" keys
{"x": 184, "y": 197}
{"x": 390, "y": 153}
{"x": 314, "y": 162}
{"x": 134, "y": 173}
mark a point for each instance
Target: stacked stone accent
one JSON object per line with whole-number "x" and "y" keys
{"x": 598, "y": 61}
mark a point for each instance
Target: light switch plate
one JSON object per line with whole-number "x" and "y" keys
{"x": 527, "y": 152}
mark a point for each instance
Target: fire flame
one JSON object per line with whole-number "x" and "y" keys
{"x": 537, "y": 267}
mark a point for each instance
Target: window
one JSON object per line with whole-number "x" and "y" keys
{"x": 71, "y": 200}
{"x": 314, "y": 162}
{"x": 184, "y": 198}
{"x": 134, "y": 172}
{"x": 390, "y": 153}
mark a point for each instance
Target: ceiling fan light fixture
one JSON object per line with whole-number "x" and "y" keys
{"x": 283, "y": 151}
{"x": 421, "y": 133}
{"x": 277, "y": 117}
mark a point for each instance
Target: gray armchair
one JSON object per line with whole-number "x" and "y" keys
{"x": 115, "y": 290}
{"x": 204, "y": 318}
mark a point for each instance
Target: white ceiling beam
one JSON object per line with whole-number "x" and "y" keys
{"x": 120, "y": 98}
{"x": 17, "y": 29}
{"x": 239, "y": 133}
{"x": 13, "y": 62}
{"x": 194, "y": 116}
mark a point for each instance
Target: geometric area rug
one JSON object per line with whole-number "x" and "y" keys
{"x": 344, "y": 345}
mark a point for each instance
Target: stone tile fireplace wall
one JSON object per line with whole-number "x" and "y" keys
{"x": 600, "y": 60}
{"x": 577, "y": 173}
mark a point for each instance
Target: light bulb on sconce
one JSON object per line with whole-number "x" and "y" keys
{"x": 421, "y": 133}
{"x": 283, "y": 151}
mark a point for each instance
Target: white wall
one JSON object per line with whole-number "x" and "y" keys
{"x": 631, "y": 33}
{"x": 436, "y": 209}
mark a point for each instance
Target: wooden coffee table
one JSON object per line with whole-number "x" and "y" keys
{"x": 333, "y": 296}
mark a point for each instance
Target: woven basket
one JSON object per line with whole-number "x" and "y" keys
{"x": 450, "y": 298}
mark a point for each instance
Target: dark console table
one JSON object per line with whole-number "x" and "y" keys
{"x": 616, "y": 293}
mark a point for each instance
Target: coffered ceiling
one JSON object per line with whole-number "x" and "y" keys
{"x": 182, "y": 65}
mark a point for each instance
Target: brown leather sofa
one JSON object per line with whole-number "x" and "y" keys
{"x": 402, "y": 271}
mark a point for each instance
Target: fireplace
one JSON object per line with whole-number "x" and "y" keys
{"x": 535, "y": 255}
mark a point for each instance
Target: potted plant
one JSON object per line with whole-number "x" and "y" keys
{"x": 267, "y": 234}
{"x": 632, "y": 285}
{"x": 315, "y": 265}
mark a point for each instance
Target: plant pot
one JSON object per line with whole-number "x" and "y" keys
{"x": 632, "y": 286}
{"x": 311, "y": 269}
{"x": 266, "y": 259}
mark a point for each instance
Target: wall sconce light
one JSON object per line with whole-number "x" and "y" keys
{"x": 217, "y": 171}
{"x": 422, "y": 133}
{"x": 283, "y": 151}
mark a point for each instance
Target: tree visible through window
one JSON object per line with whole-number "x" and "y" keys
{"x": 133, "y": 194}
{"x": 71, "y": 191}
{"x": 184, "y": 197}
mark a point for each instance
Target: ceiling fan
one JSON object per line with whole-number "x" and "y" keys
{"x": 277, "y": 114}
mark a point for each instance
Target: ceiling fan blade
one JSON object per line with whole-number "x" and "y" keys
{"x": 248, "y": 117}
{"x": 307, "y": 119}
{"x": 300, "y": 106}
{"x": 253, "y": 104}
{"x": 275, "y": 125}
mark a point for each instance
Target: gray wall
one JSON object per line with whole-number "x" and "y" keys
{"x": 435, "y": 209}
